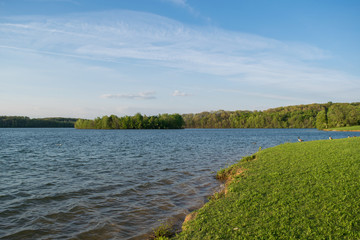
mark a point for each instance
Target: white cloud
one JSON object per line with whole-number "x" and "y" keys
{"x": 184, "y": 4}
{"x": 178, "y": 93}
{"x": 65, "y": 1}
{"x": 177, "y": 2}
{"x": 141, "y": 95}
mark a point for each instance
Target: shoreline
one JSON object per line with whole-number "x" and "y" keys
{"x": 329, "y": 130}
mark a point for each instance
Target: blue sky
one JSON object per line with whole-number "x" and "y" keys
{"x": 81, "y": 58}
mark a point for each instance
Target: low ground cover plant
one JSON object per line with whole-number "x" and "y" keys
{"x": 305, "y": 190}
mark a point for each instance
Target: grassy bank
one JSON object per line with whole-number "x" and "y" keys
{"x": 352, "y": 128}
{"x": 307, "y": 190}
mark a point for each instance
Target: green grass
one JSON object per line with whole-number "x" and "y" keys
{"x": 352, "y": 128}
{"x": 163, "y": 232}
{"x": 307, "y": 190}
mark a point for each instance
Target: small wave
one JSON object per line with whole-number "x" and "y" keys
{"x": 111, "y": 228}
{"x": 165, "y": 181}
{"x": 61, "y": 216}
{"x": 129, "y": 191}
{"x": 29, "y": 234}
{"x": 6, "y": 197}
{"x": 169, "y": 169}
{"x": 25, "y": 150}
{"x": 187, "y": 173}
{"x": 10, "y": 213}
{"x": 47, "y": 199}
{"x": 22, "y": 194}
{"x": 79, "y": 210}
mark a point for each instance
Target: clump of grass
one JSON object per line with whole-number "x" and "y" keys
{"x": 162, "y": 238}
{"x": 292, "y": 191}
{"x": 188, "y": 218}
{"x": 228, "y": 173}
{"x": 217, "y": 195}
{"x": 163, "y": 232}
{"x": 249, "y": 158}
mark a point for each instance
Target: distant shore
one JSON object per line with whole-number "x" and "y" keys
{"x": 329, "y": 130}
{"x": 355, "y": 128}
{"x": 26, "y": 122}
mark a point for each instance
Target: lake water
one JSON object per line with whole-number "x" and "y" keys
{"x": 117, "y": 184}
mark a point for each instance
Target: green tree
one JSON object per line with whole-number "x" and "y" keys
{"x": 321, "y": 120}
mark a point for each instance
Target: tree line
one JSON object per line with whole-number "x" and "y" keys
{"x": 26, "y": 122}
{"x": 138, "y": 121}
{"x": 319, "y": 116}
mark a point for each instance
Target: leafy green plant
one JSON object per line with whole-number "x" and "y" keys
{"x": 162, "y": 232}
{"x": 233, "y": 170}
{"x": 162, "y": 238}
{"x": 217, "y": 195}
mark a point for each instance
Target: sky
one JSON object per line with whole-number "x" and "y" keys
{"x": 90, "y": 58}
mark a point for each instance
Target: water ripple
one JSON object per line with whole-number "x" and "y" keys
{"x": 71, "y": 184}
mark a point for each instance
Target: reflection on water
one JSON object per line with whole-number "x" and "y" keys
{"x": 95, "y": 184}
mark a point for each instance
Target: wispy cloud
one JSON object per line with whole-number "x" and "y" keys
{"x": 184, "y": 4}
{"x": 123, "y": 34}
{"x": 141, "y": 95}
{"x": 142, "y": 38}
{"x": 262, "y": 95}
{"x": 65, "y": 1}
{"x": 178, "y": 93}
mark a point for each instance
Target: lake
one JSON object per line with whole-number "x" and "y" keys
{"x": 117, "y": 184}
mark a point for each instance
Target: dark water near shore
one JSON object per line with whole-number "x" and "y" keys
{"x": 94, "y": 184}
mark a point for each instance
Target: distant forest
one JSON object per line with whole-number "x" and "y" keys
{"x": 162, "y": 121}
{"x": 26, "y": 122}
{"x": 321, "y": 116}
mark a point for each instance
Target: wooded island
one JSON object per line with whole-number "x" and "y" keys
{"x": 162, "y": 121}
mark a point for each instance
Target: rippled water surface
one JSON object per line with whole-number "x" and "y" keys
{"x": 116, "y": 184}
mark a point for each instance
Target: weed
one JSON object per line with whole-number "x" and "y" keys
{"x": 217, "y": 195}
{"x": 162, "y": 232}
